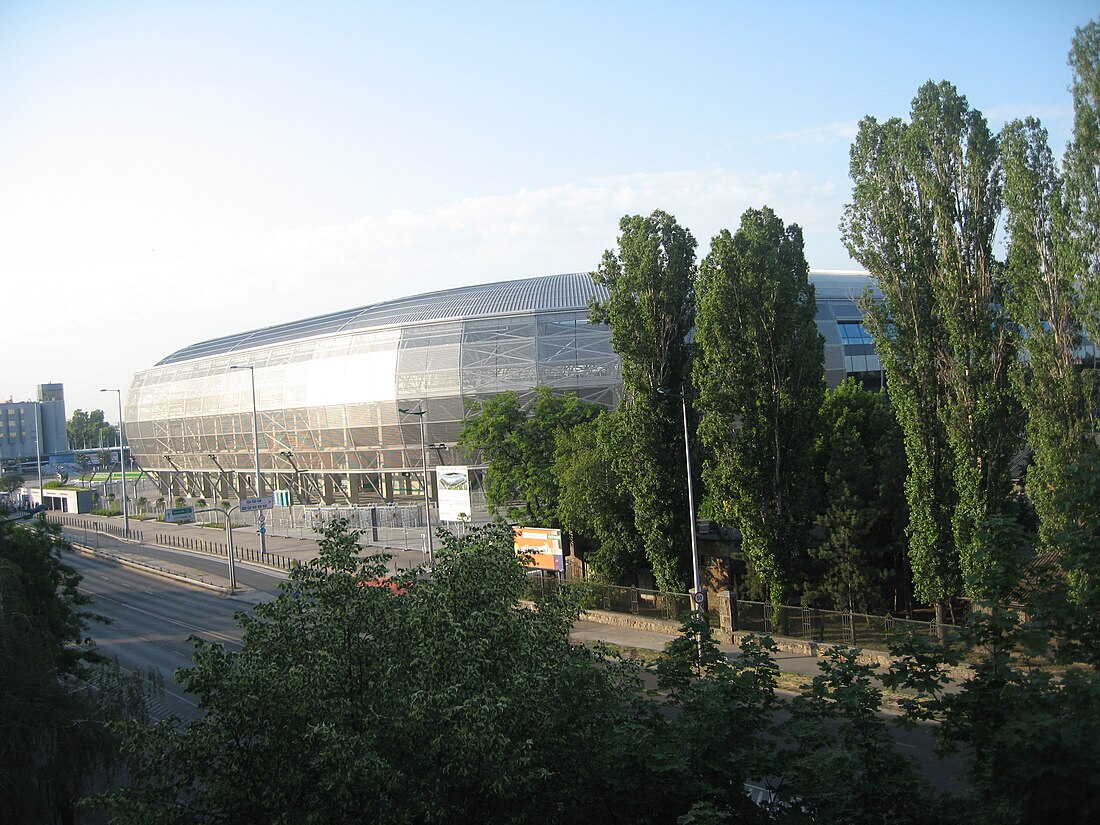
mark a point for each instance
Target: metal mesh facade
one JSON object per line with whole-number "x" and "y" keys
{"x": 329, "y": 389}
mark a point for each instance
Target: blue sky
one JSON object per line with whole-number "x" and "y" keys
{"x": 176, "y": 171}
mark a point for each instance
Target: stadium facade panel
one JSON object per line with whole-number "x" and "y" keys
{"x": 329, "y": 390}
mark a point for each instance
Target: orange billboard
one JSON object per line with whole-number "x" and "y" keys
{"x": 541, "y": 547}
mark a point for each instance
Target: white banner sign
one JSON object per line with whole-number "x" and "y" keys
{"x": 452, "y": 489}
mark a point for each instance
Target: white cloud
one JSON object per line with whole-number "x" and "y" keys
{"x": 840, "y": 132}
{"x": 554, "y": 229}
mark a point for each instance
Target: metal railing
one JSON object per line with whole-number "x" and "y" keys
{"x": 650, "y": 604}
{"x": 93, "y": 529}
{"x": 804, "y": 623}
{"x": 90, "y": 526}
{"x": 827, "y": 626}
{"x": 216, "y": 548}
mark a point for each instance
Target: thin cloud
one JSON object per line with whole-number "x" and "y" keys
{"x": 830, "y": 133}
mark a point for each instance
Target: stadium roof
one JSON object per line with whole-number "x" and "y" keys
{"x": 548, "y": 293}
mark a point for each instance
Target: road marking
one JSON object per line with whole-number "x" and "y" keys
{"x": 169, "y": 619}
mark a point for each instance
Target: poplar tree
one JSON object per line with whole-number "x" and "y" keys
{"x": 1043, "y": 272}
{"x": 760, "y": 377}
{"x": 925, "y": 202}
{"x": 1082, "y": 167}
{"x": 650, "y": 307}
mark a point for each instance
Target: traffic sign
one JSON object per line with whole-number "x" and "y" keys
{"x": 258, "y": 503}
{"x": 180, "y": 515}
{"x": 699, "y": 596}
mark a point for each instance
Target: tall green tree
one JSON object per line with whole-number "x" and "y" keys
{"x": 1081, "y": 162}
{"x": 516, "y": 441}
{"x": 595, "y": 505}
{"x": 925, "y": 201}
{"x": 87, "y": 430}
{"x": 860, "y": 561}
{"x": 1043, "y": 274}
{"x": 59, "y": 697}
{"x": 650, "y": 279}
{"x": 760, "y": 376}
{"x": 10, "y": 482}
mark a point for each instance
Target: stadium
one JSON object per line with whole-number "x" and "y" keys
{"x": 340, "y": 398}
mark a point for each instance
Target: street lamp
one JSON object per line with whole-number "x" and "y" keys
{"x": 38, "y": 455}
{"x": 700, "y": 595}
{"x": 420, "y": 412}
{"x": 256, "y": 447}
{"x": 122, "y": 464}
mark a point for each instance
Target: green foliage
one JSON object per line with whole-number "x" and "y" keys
{"x": 760, "y": 377}
{"x": 841, "y": 763}
{"x": 1032, "y": 738}
{"x": 516, "y": 441}
{"x": 86, "y": 430}
{"x": 1043, "y": 272}
{"x": 10, "y": 482}
{"x": 831, "y": 758}
{"x": 442, "y": 700}
{"x": 925, "y": 203}
{"x": 860, "y": 560}
{"x": 650, "y": 306}
{"x": 59, "y": 697}
{"x": 1081, "y": 160}
{"x": 595, "y": 505}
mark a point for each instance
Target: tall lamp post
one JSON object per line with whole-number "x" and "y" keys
{"x": 700, "y": 595}
{"x": 122, "y": 464}
{"x": 256, "y": 450}
{"x": 419, "y": 412}
{"x": 38, "y": 454}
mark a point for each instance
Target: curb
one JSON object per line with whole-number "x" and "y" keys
{"x": 151, "y": 569}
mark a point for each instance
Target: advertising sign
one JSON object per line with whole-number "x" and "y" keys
{"x": 452, "y": 490}
{"x": 180, "y": 515}
{"x": 542, "y": 548}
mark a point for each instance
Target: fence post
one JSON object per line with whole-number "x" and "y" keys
{"x": 727, "y": 614}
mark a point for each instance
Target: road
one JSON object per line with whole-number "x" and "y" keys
{"x": 151, "y": 619}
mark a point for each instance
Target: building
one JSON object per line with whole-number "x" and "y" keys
{"x": 330, "y": 391}
{"x": 33, "y": 430}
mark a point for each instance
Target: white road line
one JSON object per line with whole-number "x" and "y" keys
{"x": 168, "y": 619}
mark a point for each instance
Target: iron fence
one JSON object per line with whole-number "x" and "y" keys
{"x": 214, "y": 548}
{"x": 827, "y": 626}
{"x": 804, "y": 623}
{"x": 652, "y": 604}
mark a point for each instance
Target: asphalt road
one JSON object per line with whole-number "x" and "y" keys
{"x": 151, "y": 619}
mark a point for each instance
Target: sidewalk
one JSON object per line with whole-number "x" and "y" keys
{"x": 595, "y": 626}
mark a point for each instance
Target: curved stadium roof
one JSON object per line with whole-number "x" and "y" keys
{"x": 543, "y": 294}
{"x": 547, "y": 293}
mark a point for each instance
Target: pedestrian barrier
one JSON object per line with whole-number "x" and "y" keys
{"x": 214, "y": 548}
{"x": 789, "y": 621}
{"x": 194, "y": 545}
